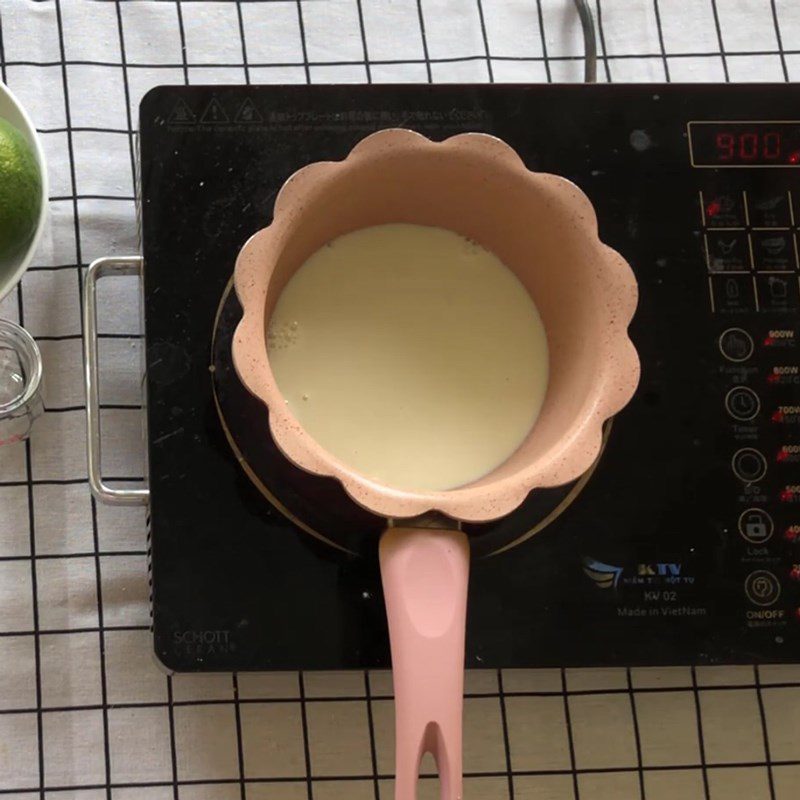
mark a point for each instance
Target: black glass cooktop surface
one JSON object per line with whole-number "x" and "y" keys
{"x": 683, "y": 546}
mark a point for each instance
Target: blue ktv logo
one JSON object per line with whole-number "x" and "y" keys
{"x": 610, "y": 576}
{"x": 605, "y": 576}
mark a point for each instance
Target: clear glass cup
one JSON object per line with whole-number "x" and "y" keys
{"x": 20, "y": 383}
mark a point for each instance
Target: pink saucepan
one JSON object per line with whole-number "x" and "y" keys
{"x": 544, "y": 229}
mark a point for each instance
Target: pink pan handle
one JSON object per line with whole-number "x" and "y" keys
{"x": 425, "y": 574}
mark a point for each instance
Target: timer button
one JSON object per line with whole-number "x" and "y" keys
{"x": 749, "y": 465}
{"x": 742, "y": 403}
{"x": 736, "y": 344}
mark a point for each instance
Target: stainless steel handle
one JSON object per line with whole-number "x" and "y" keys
{"x": 122, "y": 265}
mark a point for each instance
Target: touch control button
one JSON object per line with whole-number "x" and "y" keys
{"x": 762, "y": 588}
{"x": 736, "y": 344}
{"x": 723, "y": 209}
{"x": 749, "y": 465}
{"x": 768, "y": 209}
{"x": 733, "y": 294}
{"x": 773, "y": 251}
{"x": 727, "y": 250}
{"x": 742, "y": 403}
{"x": 778, "y": 293}
{"x": 756, "y": 526}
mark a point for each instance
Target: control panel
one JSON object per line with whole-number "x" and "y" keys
{"x": 750, "y": 248}
{"x": 750, "y": 230}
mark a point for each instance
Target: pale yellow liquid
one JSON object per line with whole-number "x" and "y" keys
{"x": 411, "y": 354}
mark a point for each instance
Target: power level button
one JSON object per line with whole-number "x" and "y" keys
{"x": 736, "y": 344}
{"x": 749, "y": 465}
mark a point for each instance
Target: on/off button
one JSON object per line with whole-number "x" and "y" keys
{"x": 749, "y": 465}
{"x": 762, "y": 588}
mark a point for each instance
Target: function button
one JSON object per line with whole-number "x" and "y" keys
{"x": 742, "y": 403}
{"x": 736, "y": 344}
{"x": 723, "y": 209}
{"x": 756, "y": 526}
{"x": 773, "y": 251}
{"x": 778, "y": 293}
{"x": 762, "y": 588}
{"x": 727, "y": 250}
{"x": 733, "y": 293}
{"x": 749, "y": 465}
{"x": 768, "y": 209}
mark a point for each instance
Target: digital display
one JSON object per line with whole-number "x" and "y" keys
{"x": 745, "y": 144}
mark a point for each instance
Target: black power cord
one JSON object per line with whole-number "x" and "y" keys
{"x": 589, "y": 41}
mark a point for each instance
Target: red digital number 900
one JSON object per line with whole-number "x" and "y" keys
{"x": 749, "y": 146}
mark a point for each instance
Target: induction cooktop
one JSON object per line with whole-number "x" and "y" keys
{"x": 681, "y": 546}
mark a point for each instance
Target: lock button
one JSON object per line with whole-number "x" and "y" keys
{"x": 756, "y": 526}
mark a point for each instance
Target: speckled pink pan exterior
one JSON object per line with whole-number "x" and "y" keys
{"x": 544, "y": 229}
{"x": 541, "y": 226}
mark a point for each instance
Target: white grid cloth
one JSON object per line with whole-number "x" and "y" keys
{"x": 84, "y": 713}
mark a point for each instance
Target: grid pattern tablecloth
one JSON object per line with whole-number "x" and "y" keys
{"x": 84, "y": 712}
